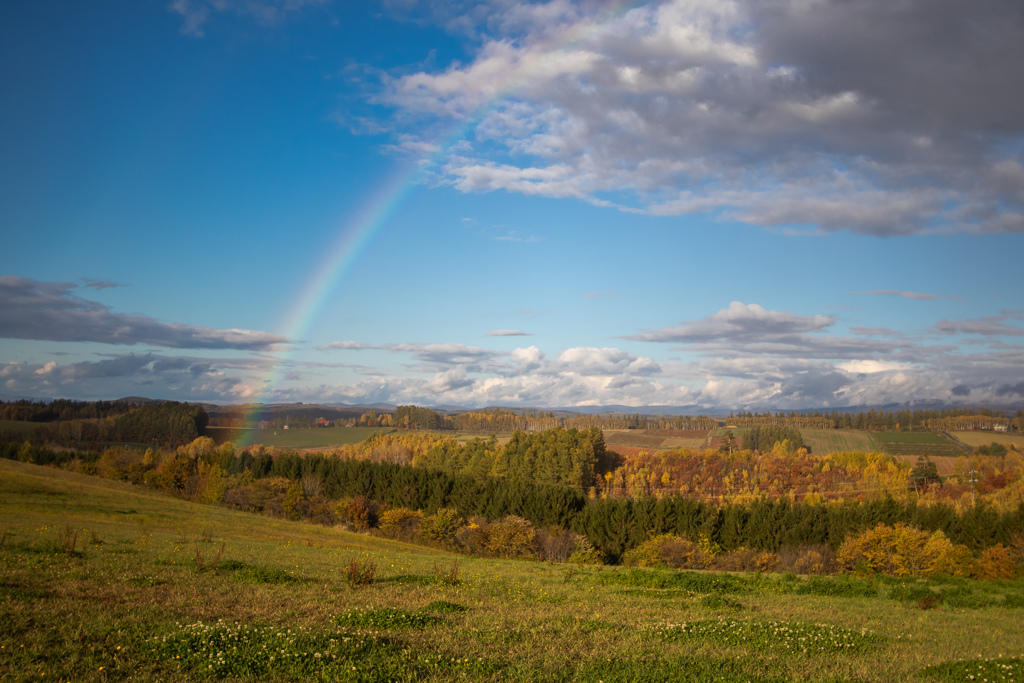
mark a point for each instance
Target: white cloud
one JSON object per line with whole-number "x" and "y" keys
{"x": 740, "y": 322}
{"x": 771, "y": 113}
{"x": 607, "y": 361}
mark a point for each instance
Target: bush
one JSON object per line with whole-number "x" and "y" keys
{"x": 359, "y": 573}
{"x": 901, "y": 551}
{"x": 359, "y": 513}
{"x": 584, "y": 552}
{"x": 472, "y": 538}
{"x": 511, "y": 537}
{"x": 442, "y": 526}
{"x": 400, "y": 523}
{"x": 807, "y": 560}
{"x": 668, "y": 550}
{"x": 556, "y": 544}
{"x": 995, "y": 563}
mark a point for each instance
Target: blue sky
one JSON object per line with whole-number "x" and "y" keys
{"x": 714, "y": 204}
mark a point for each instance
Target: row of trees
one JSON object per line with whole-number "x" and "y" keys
{"x": 567, "y": 457}
{"x": 62, "y": 409}
{"x": 499, "y": 420}
{"x": 169, "y": 424}
{"x": 290, "y": 484}
{"x": 947, "y": 419}
{"x": 764, "y": 437}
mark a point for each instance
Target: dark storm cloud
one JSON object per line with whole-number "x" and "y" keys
{"x": 1011, "y": 389}
{"x": 51, "y": 311}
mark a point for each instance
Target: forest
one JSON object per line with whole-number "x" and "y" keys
{"x": 427, "y": 487}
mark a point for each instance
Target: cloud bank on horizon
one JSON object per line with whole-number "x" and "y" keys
{"x": 747, "y": 356}
{"x": 739, "y": 204}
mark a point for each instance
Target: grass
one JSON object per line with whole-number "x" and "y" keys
{"x": 984, "y": 438}
{"x": 917, "y": 443}
{"x": 909, "y": 437}
{"x": 318, "y": 437}
{"x": 825, "y": 441}
{"x": 650, "y": 440}
{"x": 270, "y": 601}
{"x": 17, "y": 426}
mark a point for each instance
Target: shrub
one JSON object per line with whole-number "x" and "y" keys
{"x": 359, "y": 573}
{"x": 556, "y": 544}
{"x": 995, "y": 563}
{"x": 292, "y": 498}
{"x": 400, "y": 523}
{"x": 807, "y": 560}
{"x": 668, "y": 550}
{"x": 584, "y": 552}
{"x": 359, "y": 513}
{"x": 901, "y": 551}
{"x": 472, "y": 538}
{"x": 442, "y": 526}
{"x": 511, "y": 537}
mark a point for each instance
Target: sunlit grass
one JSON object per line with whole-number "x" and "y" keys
{"x": 144, "y": 596}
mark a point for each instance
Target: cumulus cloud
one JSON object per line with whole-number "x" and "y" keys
{"x": 172, "y": 377}
{"x": 527, "y": 359}
{"x": 51, "y": 311}
{"x": 872, "y": 117}
{"x": 607, "y": 361}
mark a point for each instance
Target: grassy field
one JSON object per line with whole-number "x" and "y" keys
{"x": 17, "y": 426}
{"x": 917, "y": 443}
{"x": 100, "y": 581}
{"x": 825, "y": 441}
{"x": 985, "y": 438}
{"x": 313, "y": 438}
{"x": 650, "y": 440}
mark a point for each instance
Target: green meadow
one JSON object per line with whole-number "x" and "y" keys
{"x": 825, "y": 441}
{"x": 313, "y": 437}
{"x": 17, "y": 426}
{"x": 102, "y": 581}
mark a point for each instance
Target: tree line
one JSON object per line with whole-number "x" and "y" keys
{"x": 947, "y": 419}
{"x": 63, "y": 409}
{"x": 168, "y": 424}
{"x": 313, "y": 486}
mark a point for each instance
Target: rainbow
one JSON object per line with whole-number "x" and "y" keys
{"x": 354, "y": 238}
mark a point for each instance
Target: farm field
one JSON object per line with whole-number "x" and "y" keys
{"x": 104, "y": 582}
{"x": 313, "y": 438}
{"x": 916, "y": 443}
{"x": 825, "y": 441}
{"x": 657, "y": 439}
{"x": 17, "y": 426}
{"x": 983, "y": 438}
